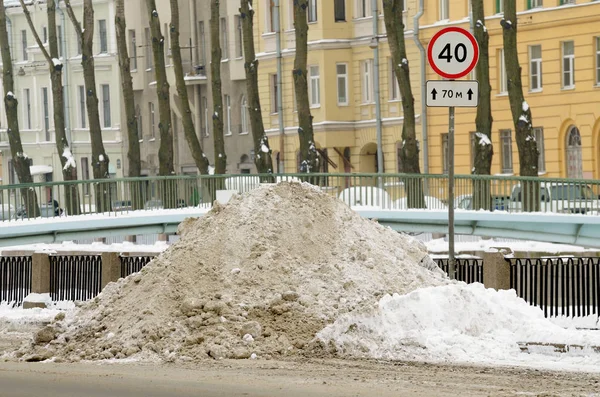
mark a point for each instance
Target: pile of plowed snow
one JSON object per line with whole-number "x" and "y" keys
{"x": 258, "y": 277}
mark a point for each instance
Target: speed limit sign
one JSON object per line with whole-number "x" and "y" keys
{"x": 453, "y": 52}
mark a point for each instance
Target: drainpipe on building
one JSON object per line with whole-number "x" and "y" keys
{"x": 375, "y": 46}
{"x": 277, "y": 29}
{"x": 66, "y": 73}
{"x": 424, "y": 131}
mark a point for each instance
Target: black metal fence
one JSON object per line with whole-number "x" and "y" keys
{"x": 15, "y": 278}
{"x": 560, "y": 286}
{"x": 133, "y": 264}
{"x": 75, "y": 277}
{"x": 469, "y": 270}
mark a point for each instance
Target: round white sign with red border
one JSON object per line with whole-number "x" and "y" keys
{"x": 453, "y": 52}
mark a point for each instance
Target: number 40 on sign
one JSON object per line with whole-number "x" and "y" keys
{"x": 452, "y": 53}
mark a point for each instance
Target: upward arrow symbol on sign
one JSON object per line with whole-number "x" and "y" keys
{"x": 470, "y": 94}
{"x": 434, "y": 93}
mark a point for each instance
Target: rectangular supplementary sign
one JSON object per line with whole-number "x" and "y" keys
{"x": 457, "y": 93}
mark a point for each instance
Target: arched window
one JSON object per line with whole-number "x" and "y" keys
{"x": 574, "y": 155}
{"x": 244, "y": 115}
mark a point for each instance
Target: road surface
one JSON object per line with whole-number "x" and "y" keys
{"x": 331, "y": 378}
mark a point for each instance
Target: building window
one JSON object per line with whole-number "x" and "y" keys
{"x": 227, "y": 104}
{"x": 538, "y": 133}
{"x": 202, "y": 43}
{"x": 244, "y": 115}
{"x": 568, "y": 71}
{"x": 499, "y": 6}
{"x": 46, "y": 111}
{"x": 340, "y": 10}
{"x": 597, "y": 60}
{"x": 445, "y": 153}
{"x": 444, "y": 8}
{"x": 239, "y": 37}
{"x": 342, "y": 84}
{"x": 506, "y": 151}
{"x": 562, "y": 2}
{"x": 502, "y": 81}
{"x": 534, "y": 4}
{"x": 24, "y": 44}
{"x": 85, "y": 174}
{"x": 224, "y": 43}
{"x": 363, "y": 8}
{"x": 206, "y": 118}
{"x": 59, "y": 39}
{"x": 152, "y": 119}
{"x": 535, "y": 67}
{"x": 312, "y": 11}
{"x": 148, "y": 52}
{"x": 102, "y": 33}
{"x": 27, "y": 95}
{"x": 132, "y": 51}
{"x": 574, "y": 153}
{"x": 473, "y": 141}
{"x": 106, "y": 105}
{"x": 314, "y": 86}
{"x": 274, "y": 89}
{"x": 44, "y": 34}
{"x": 81, "y": 90}
{"x": 394, "y": 87}
{"x": 270, "y": 16}
{"x": 367, "y": 80}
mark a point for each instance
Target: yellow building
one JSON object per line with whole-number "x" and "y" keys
{"x": 559, "y": 52}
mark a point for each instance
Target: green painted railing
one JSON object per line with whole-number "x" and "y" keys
{"x": 387, "y": 191}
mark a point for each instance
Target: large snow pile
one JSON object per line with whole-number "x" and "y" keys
{"x": 255, "y": 278}
{"x": 459, "y": 323}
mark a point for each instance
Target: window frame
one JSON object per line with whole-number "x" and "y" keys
{"x": 244, "y": 116}
{"x": 531, "y": 4}
{"x": 367, "y": 91}
{"x": 132, "y": 50}
{"x": 538, "y": 77}
{"x": 506, "y": 150}
{"x": 82, "y": 107}
{"x": 106, "y": 116}
{"x": 344, "y": 77}
{"x": 227, "y": 106}
{"x": 444, "y": 10}
{"x": 393, "y": 85}
{"x": 571, "y": 62}
{"x": 239, "y": 38}
{"x": 224, "y": 39}
{"x": 103, "y": 36}
{"x": 314, "y": 86}
{"x": 339, "y": 10}
{"x": 538, "y": 133}
{"x": 312, "y": 11}
{"x": 362, "y": 9}
{"x": 24, "y": 54}
{"x": 502, "y": 78}
{"x": 499, "y": 6}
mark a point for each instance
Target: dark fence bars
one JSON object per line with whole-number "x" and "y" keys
{"x": 133, "y": 264}
{"x": 469, "y": 270}
{"x": 15, "y": 278}
{"x": 75, "y": 277}
{"x": 560, "y": 286}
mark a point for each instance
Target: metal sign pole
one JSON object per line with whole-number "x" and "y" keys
{"x": 451, "y": 259}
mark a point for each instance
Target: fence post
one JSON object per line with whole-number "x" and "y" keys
{"x": 496, "y": 270}
{"x": 40, "y": 273}
{"x": 111, "y": 268}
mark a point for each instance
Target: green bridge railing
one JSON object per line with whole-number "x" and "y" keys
{"x": 386, "y": 191}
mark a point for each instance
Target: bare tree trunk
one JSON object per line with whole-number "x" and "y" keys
{"x": 100, "y": 159}
{"x": 263, "y": 160}
{"x": 217, "y": 94}
{"x": 69, "y": 167}
{"x": 482, "y": 197}
{"x": 309, "y": 158}
{"x": 521, "y": 113}
{"x": 165, "y": 151}
{"x": 20, "y": 159}
{"x": 133, "y": 152}
{"x": 394, "y": 25}
{"x": 186, "y": 117}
